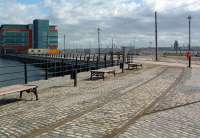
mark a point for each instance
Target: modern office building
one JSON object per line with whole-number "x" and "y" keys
{"x": 16, "y": 38}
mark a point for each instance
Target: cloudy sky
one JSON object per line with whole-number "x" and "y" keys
{"x": 126, "y": 21}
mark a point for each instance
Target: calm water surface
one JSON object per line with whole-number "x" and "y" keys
{"x": 12, "y": 72}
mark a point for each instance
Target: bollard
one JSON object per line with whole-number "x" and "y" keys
{"x": 25, "y": 73}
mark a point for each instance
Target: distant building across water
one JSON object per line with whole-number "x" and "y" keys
{"x": 16, "y": 38}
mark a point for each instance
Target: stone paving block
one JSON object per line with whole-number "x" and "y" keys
{"x": 103, "y": 120}
{"x": 64, "y": 102}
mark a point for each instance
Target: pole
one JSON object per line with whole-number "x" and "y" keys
{"x": 64, "y": 45}
{"x": 75, "y": 77}
{"x": 123, "y": 59}
{"x": 112, "y": 45}
{"x": 99, "y": 52}
{"x": 46, "y": 70}
{"x": 156, "y": 36}
{"x": 189, "y": 49}
{"x": 112, "y": 54}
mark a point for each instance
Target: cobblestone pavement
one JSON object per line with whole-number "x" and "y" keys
{"x": 183, "y": 122}
{"x": 176, "y": 115}
{"x": 63, "y": 103}
{"x": 106, "y": 120}
{"x": 186, "y": 92}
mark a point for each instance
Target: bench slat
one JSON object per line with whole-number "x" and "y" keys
{"x": 102, "y": 71}
{"x": 15, "y": 88}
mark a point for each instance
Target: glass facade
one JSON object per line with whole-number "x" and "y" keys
{"x": 52, "y": 38}
{"x": 15, "y": 38}
{"x": 37, "y": 35}
{"x": 40, "y": 32}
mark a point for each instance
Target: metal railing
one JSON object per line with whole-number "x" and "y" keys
{"x": 50, "y": 67}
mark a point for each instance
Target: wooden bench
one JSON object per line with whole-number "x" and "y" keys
{"x": 101, "y": 73}
{"x": 20, "y": 89}
{"x": 134, "y": 65}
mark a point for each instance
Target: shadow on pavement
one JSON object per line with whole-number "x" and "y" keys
{"x": 8, "y": 101}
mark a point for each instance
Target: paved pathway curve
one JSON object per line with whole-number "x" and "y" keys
{"x": 108, "y": 120}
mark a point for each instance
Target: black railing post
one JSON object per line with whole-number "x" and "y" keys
{"x": 25, "y": 73}
{"x": 75, "y": 77}
{"x": 123, "y": 59}
{"x": 93, "y": 57}
{"x": 63, "y": 68}
{"x": 105, "y": 60}
{"x": 128, "y": 58}
{"x": 84, "y": 57}
{"x": 112, "y": 59}
{"x": 118, "y": 61}
{"x": 46, "y": 70}
{"x": 76, "y": 64}
{"x": 88, "y": 61}
{"x": 97, "y": 62}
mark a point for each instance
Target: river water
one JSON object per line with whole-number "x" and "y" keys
{"x": 12, "y": 72}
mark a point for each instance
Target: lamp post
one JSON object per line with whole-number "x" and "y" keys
{"x": 189, "y": 46}
{"x": 99, "y": 52}
{"x": 64, "y": 45}
{"x": 156, "y": 36}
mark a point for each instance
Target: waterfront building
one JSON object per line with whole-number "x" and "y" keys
{"x": 15, "y": 38}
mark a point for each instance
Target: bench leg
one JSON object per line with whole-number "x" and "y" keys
{"x": 20, "y": 95}
{"x": 103, "y": 76}
{"x": 91, "y": 76}
{"x": 35, "y": 92}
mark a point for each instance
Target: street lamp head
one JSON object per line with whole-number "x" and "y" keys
{"x": 189, "y": 17}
